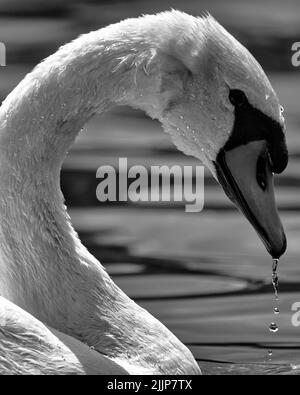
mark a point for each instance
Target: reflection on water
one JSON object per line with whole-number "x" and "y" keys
{"x": 218, "y": 303}
{"x": 248, "y": 369}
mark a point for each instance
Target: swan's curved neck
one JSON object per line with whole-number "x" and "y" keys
{"x": 44, "y": 268}
{"x": 39, "y": 121}
{"x": 43, "y": 115}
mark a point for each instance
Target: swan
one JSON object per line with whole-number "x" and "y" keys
{"x": 59, "y": 310}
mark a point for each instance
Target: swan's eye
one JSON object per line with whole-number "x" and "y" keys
{"x": 237, "y": 97}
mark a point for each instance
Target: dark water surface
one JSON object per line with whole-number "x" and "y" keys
{"x": 207, "y": 278}
{"x": 204, "y": 275}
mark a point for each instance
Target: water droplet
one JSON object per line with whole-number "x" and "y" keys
{"x": 275, "y": 265}
{"x": 181, "y": 117}
{"x": 92, "y": 348}
{"x": 275, "y": 278}
{"x": 188, "y": 127}
{"x": 275, "y": 282}
{"x": 270, "y": 353}
{"x": 274, "y": 328}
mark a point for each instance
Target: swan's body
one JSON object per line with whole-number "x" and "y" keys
{"x": 28, "y": 346}
{"x": 44, "y": 269}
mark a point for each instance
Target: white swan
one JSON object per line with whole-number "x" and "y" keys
{"x": 216, "y": 102}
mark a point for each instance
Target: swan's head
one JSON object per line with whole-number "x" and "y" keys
{"x": 219, "y": 106}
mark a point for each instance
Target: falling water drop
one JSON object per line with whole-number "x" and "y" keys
{"x": 274, "y": 328}
{"x": 275, "y": 278}
{"x": 275, "y": 282}
{"x": 270, "y": 353}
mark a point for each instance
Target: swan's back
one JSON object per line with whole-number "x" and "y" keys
{"x": 27, "y": 347}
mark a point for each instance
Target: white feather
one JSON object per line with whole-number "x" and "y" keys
{"x": 175, "y": 67}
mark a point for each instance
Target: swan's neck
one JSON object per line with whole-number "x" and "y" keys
{"x": 39, "y": 122}
{"x": 43, "y": 115}
{"x": 43, "y": 266}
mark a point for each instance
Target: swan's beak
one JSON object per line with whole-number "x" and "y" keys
{"x": 246, "y": 177}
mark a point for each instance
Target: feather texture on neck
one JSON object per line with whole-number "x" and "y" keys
{"x": 44, "y": 267}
